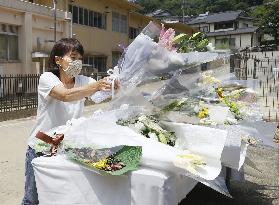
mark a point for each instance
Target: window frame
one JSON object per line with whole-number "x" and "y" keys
{"x": 98, "y": 62}
{"x": 75, "y": 14}
{"x": 224, "y": 25}
{"x": 88, "y": 17}
{"x": 7, "y": 38}
{"x": 133, "y": 32}
{"x": 119, "y": 23}
{"x": 116, "y": 54}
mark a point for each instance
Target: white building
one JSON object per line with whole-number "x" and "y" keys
{"x": 27, "y": 35}
{"x": 228, "y": 30}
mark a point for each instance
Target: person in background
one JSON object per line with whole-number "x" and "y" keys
{"x": 61, "y": 96}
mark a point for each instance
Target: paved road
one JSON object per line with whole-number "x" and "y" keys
{"x": 260, "y": 188}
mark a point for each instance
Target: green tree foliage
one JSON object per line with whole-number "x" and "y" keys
{"x": 194, "y": 7}
{"x": 268, "y": 19}
{"x": 265, "y": 12}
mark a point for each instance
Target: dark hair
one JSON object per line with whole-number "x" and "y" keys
{"x": 60, "y": 48}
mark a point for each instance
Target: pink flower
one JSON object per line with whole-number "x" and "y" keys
{"x": 166, "y": 38}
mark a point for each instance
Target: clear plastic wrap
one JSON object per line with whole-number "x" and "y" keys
{"x": 197, "y": 107}
{"x": 154, "y": 154}
{"x": 145, "y": 60}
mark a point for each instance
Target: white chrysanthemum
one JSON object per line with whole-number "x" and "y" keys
{"x": 196, "y": 109}
{"x": 139, "y": 126}
{"x": 153, "y": 136}
{"x": 231, "y": 120}
{"x": 210, "y": 47}
{"x": 142, "y": 118}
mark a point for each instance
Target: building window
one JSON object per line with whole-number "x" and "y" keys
{"x": 88, "y": 17}
{"x": 80, "y": 16}
{"x": 91, "y": 13}
{"x": 223, "y": 25}
{"x": 232, "y": 42}
{"x": 225, "y": 43}
{"x": 98, "y": 62}
{"x": 8, "y": 42}
{"x": 245, "y": 25}
{"x": 98, "y": 20}
{"x": 222, "y": 43}
{"x": 75, "y": 14}
{"x": 133, "y": 32}
{"x": 115, "y": 57}
{"x": 119, "y": 23}
{"x": 204, "y": 29}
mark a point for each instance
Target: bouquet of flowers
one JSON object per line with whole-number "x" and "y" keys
{"x": 189, "y": 124}
{"x": 106, "y": 161}
{"x": 160, "y": 155}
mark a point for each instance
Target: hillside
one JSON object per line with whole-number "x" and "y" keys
{"x": 194, "y": 7}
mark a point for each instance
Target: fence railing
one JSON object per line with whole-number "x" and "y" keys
{"x": 264, "y": 67}
{"x": 19, "y": 92}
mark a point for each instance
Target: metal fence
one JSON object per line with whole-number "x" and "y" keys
{"x": 19, "y": 92}
{"x": 263, "y": 67}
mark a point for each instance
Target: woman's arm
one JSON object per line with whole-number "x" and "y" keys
{"x": 61, "y": 93}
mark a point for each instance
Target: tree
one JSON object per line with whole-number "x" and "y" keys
{"x": 149, "y": 5}
{"x": 241, "y": 6}
{"x": 221, "y": 5}
{"x": 195, "y": 7}
{"x": 269, "y": 21}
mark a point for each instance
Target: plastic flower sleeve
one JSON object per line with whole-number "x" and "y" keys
{"x": 130, "y": 64}
{"x": 144, "y": 58}
{"x": 106, "y": 161}
{"x": 94, "y": 132}
{"x": 152, "y": 30}
{"x": 262, "y": 131}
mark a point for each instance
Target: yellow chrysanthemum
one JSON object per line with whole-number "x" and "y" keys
{"x": 102, "y": 164}
{"x": 203, "y": 113}
{"x": 220, "y": 92}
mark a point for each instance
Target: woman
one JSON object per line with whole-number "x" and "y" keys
{"x": 61, "y": 96}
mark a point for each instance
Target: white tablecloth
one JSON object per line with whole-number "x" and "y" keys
{"x": 62, "y": 182}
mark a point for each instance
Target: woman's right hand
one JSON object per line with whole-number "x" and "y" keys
{"x": 104, "y": 85}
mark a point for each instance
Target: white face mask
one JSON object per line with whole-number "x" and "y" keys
{"x": 74, "y": 68}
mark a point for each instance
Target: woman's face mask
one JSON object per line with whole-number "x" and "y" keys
{"x": 71, "y": 64}
{"x": 73, "y": 68}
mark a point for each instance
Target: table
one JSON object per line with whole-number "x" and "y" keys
{"x": 62, "y": 182}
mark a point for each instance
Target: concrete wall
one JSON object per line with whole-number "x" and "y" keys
{"x": 33, "y": 21}
{"x": 241, "y": 23}
{"x": 245, "y": 40}
{"x": 211, "y": 27}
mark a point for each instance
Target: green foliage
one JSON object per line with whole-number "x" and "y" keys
{"x": 258, "y": 12}
{"x": 196, "y": 42}
{"x": 176, "y": 105}
{"x": 268, "y": 19}
{"x": 194, "y": 7}
{"x": 130, "y": 156}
